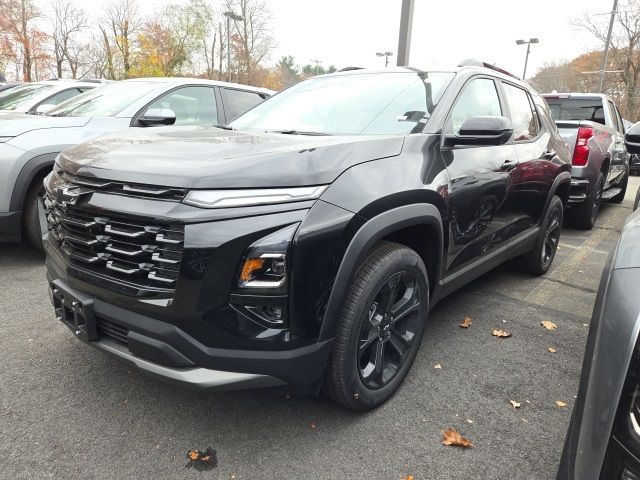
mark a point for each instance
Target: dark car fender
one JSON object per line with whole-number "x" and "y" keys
{"x": 364, "y": 239}
{"x": 562, "y": 181}
{"x": 31, "y": 169}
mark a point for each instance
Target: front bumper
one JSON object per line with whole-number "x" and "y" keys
{"x": 165, "y": 351}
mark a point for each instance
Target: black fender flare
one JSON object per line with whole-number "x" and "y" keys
{"x": 26, "y": 176}
{"x": 365, "y": 238}
{"x": 561, "y": 178}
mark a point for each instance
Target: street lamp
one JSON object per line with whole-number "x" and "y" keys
{"x": 386, "y": 56}
{"x": 236, "y": 18}
{"x": 526, "y": 59}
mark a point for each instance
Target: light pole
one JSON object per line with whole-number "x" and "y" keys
{"x": 526, "y": 59}
{"x": 386, "y": 56}
{"x": 235, "y": 17}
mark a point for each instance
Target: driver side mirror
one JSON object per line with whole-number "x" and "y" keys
{"x": 482, "y": 130}
{"x": 157, "y": 116}
{"x": 632, "y": 138}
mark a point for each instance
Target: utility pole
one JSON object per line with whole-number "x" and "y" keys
{"x": 317, "y": 62}
{"x": 404, "y": 35}
{"x": 606, "y": 45}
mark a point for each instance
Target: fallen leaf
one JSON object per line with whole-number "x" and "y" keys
{"x": 409, "y": 477}
{"x": 514, "y": 404}
{"x": 501, "y": 333}
{"x": 438, "y": 366}
{"x": 552, "y": 350}
{"x": 200, "y": 460}
{"x": 466, "y": 323}
{"x": 469, "y": 420}
{"x": 312, "y": 425}
{"x": 561, "y": 404}
{"x": 451, "y": 437}
{"x": 548, "y": 325}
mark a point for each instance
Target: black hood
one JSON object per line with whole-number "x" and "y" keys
{"x": 214, "y": 158}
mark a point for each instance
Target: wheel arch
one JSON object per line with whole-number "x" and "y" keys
{"x": 35, "y": 169}
{"x": 408, "y": 225}
{"x": 561, "y": 186}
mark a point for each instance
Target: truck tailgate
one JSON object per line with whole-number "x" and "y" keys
{"x": 568, "y": 130}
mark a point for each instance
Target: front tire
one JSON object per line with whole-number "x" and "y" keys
{"x": 30, "y": 217}
{"x": 538, "y": 260}
{"x": 380, "y": 328}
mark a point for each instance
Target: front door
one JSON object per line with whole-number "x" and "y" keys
{"x": 479, "y": 180}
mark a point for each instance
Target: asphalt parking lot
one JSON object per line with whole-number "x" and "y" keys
{"x": 69, "y": 412}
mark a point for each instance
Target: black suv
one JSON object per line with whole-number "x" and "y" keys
{"x": 305, "y": 243}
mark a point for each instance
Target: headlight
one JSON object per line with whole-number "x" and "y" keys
{"x": 264, "y": 265}
{"x": 5, "y": 139}
{"x": 262, "y": 279}
{"x": 248, "y": 197}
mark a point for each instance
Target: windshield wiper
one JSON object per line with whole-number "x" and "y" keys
{"x": 297, "y": 132}
{"x": 224, "y": 127}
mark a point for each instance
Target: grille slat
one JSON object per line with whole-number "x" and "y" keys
{"x": 124, "y": 188}
{"x": 112, "y": 331}
{"x": 136, "y": 251}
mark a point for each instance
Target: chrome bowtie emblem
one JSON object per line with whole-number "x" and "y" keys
{"x": 69, "y": 194}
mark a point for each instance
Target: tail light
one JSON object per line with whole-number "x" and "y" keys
{"x": 581, "y": 152}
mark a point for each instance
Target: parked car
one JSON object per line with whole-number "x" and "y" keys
{"x": 306, "y": 244}
{"x": 634, "y": 158}
{"x": 7, "y": 86}
{"x": 29, "y": 144}
{"x": 603, "y": 441}
{"x": 40, "y": 97}
{"x": 592, "y": 127}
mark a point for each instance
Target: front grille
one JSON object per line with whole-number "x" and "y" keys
{"x": 122, "y": 188}
{"x": 111, "y": 331}
{"x": 140, "y": 252}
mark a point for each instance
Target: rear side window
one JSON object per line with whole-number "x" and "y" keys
{"x": 238, "y": 102}
{"x": 523, "y": 117}
{"x": 479, "y": 98}
{"x": 60, "y": 97}
{"x": 577, "y": 109}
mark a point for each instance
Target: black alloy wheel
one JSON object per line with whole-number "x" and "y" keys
{"x": 391, "y": 327}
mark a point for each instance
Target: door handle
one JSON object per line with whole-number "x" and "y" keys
{"x": 509, "y": 165}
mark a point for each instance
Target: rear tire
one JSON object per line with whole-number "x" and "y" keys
{"x": 539, "y": 260}
{"x": 380, "y": 328}
{"x": 623, "y": 186}
{"x": 30, "y": 218}
{"x": 584, "y": 215}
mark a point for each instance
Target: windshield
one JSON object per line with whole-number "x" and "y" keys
{"x": 13, "y": 98}
{"x": 353, "y": 104}
{"x": 106, "y": 101}
{"x": 576, "y": 109}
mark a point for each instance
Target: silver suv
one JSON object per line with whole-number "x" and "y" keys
{"x": 30, "y": 143}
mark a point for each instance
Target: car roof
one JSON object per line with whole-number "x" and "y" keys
{"x": 200, "y": 81}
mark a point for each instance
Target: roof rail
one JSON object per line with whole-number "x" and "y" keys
{"x": 348, "y": 69}
{"x": 472, "y": 62}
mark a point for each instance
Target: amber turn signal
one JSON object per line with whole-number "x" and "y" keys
{"x": 250, "y": 266}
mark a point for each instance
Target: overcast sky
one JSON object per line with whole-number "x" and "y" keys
{"x": 350, "y": 32}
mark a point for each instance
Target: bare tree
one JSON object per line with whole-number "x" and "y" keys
{"x": 68, "y": 20}
{"x": 19, "y": 35}
{"x": 252, "y": 35}
{"x": 123, "y": 22}
{"x": 623, "y": 52}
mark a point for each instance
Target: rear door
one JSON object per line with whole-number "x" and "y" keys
{"x": 533, "y": 177}
{"x": 620, "y": 157}
{"x": 480, "y": 180}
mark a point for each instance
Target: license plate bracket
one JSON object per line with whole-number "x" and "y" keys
{"x": 75, "y": 311}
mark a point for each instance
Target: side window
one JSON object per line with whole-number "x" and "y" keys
{"x": 479, "y": 98}
{"x": 238, "y": 102}
{"x": 620, "y": 122}
{"x": 614, "y": 117}
{"x": 523, "y": 117}
{"x": 61, "y": 97}
{"x": 192, "y": 105}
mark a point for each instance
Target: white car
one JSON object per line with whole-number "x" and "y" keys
{"x": 40, "y": 97}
